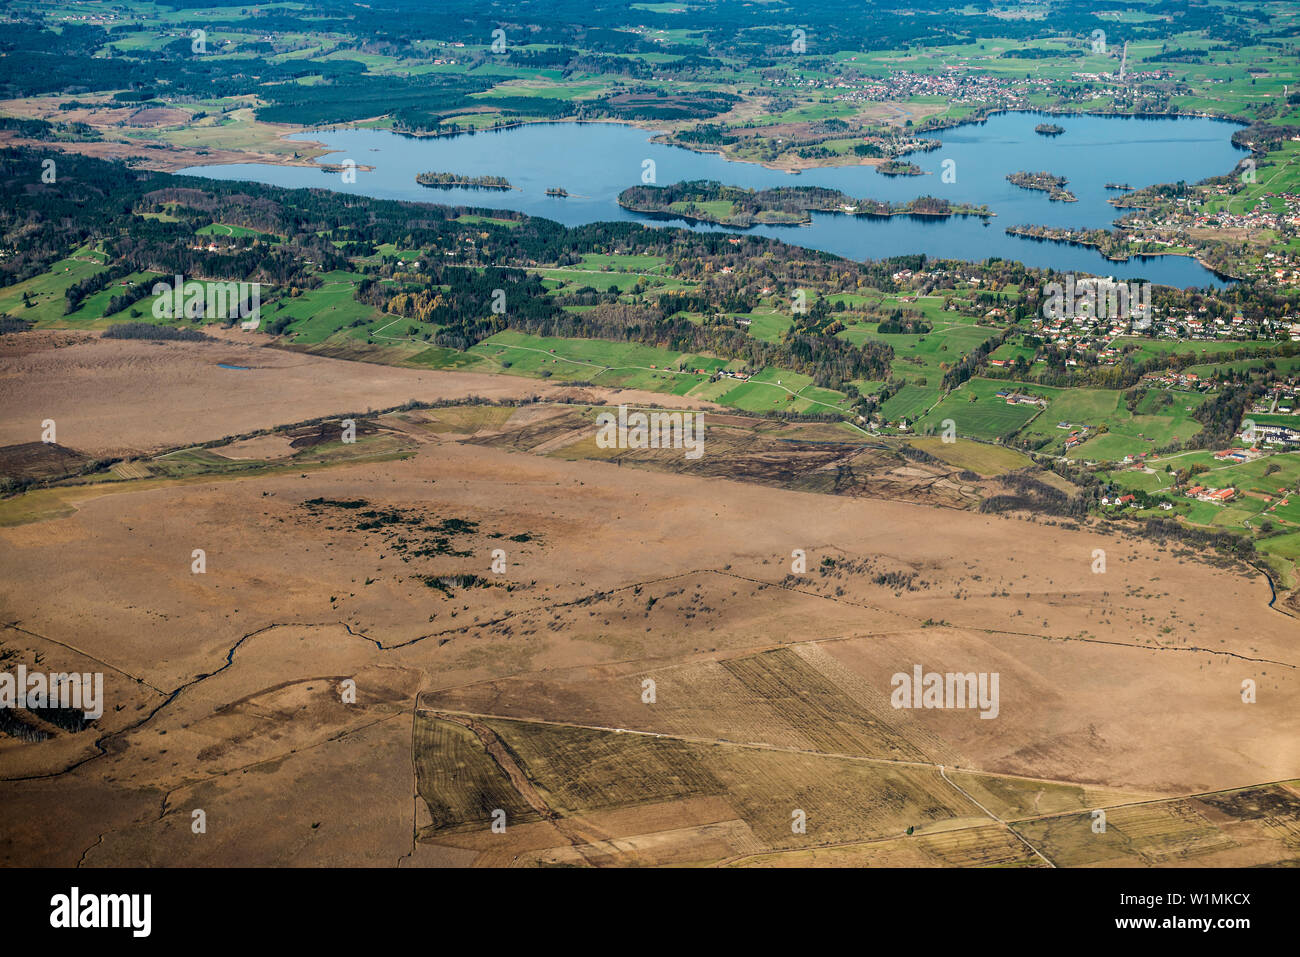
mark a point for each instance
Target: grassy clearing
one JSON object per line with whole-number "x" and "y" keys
{"x": 320, "y": 313}
{"x": 979, "y": 457}
{"x": 922, "y": 359}
{"x": 45, "y": 292}
{"x": 225, "y": 229}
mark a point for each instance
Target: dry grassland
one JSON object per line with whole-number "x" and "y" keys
{"x": 525, "y": 691}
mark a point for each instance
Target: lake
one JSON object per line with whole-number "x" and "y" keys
{"x": 596, "y": 161}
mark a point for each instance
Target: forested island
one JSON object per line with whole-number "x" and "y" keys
{"x": 899, "y": 168}
{"x": 1049, "y": 129}
{"x": 452, "y": 180}
{"x": 712, "y": 202}
{"x": 1053, "y": 186}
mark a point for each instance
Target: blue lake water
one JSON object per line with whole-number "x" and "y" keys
{"x": 596, "y": 161}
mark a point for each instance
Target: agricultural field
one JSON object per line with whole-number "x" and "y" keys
{"x": 767, "y": 325}
{"x": 229, "y": 231}
{"x": 1010, "y": 351}
{"x": 909, "y": 403}
{"x": 977, "y": 412}
{"x": 1160, "y": 417}
{"x": 1286, "y": 365}
{"x": 457, "y": 779}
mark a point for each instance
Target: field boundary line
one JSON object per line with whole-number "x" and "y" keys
{"x": 1011, "y": 829}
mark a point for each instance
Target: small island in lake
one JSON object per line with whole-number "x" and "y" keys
{"x": 1053, "y": 186}
{"x": 711, "y": 202}
{"x": 453, "y": 180}
{"x": 1124, "y": 186}
{"x": 1049, "y": 129}
{"x": 895, "y": 167}
{"x": 331, "y": 169}
{"x": 557, "y": 191}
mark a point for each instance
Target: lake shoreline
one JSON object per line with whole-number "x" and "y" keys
{"x": 659, "y": 136}
{"x": 1092, "y": 244}
{"x": 611, "y": 156}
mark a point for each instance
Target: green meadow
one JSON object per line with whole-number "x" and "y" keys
{"x": 977, "y": 412}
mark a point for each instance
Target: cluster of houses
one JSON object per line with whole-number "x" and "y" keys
{"x": 1170, "y": 379}
{"x": 1280, "y": 399}
{"x": 1078, "y": 435}
{"x": 1262, "y": 216}
{"x": 90, "y": 18}
{"x": 713, "y": 374}
{"x": 1202, "y": 493}
{"x": 1217, "y": 327}
{"x": 1108, "y": 356}
{"x": 1278, "y": 268}
{"x": 1128, "y": 500}
{"x": 1137, "y": 76}
{"x": 1083, "y": 333}
{"x": 1238, "y": 456}
{"x": 1080, "y": 335}
{"x": 1273, "y": 435}
{"x": 1282, "y": 268}
{"x": 1216, "y": 496}
{"x": 955, "y": 85}
{"x": 1020, "y": 398}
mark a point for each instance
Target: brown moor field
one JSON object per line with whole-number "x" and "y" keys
{"x": 649, "y": 681}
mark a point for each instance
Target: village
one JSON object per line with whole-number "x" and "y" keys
{"x": 953, "y": 85}
{"x": 1082, "y": 335}
{"x": 1185, "y": 219}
